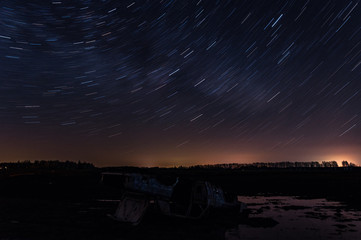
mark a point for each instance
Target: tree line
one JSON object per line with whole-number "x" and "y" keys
{"x": 46, "y": 164}
{"x": 323, "y": 164}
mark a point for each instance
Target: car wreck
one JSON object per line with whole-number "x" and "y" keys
{"x": 176, "y": 197}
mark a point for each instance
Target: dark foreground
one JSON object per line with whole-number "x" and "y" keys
{"x": 74, "y": 205}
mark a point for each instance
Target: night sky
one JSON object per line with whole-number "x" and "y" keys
{"x": 163, "y": 83}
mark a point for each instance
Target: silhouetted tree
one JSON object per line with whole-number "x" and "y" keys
{"x": 345, "y": 164}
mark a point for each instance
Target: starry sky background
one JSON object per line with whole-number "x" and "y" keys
{"x": 163, "y": 83}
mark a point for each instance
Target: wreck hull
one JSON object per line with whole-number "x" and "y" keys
{"x": 183, "y": 199}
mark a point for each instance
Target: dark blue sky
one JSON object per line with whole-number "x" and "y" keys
{"x": 114, "y": 81}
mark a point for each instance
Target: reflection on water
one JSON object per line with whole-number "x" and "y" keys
{"x": 299, "y": 219}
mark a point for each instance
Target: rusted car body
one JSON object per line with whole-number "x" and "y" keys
{"x": 182, "y": 198}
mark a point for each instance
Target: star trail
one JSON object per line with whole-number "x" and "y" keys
{"x": 180, "y": 82}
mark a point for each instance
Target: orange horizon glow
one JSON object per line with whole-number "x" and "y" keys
{"x": 105, "y": 154}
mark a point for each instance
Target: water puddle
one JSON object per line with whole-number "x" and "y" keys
{"x": 298, "y": 219}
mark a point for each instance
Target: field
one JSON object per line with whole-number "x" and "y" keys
{"x": 64, "y": 204}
